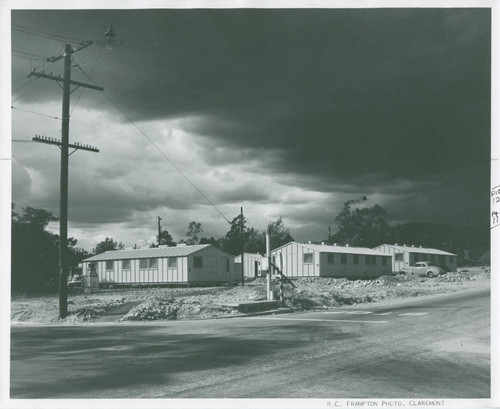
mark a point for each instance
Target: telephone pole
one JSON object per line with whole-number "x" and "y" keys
{"x": 159, "y": 231}
{"x": 64, "y": 146}
{"x": 242, "y": 249}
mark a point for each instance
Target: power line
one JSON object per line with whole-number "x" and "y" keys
{"x": 91, "y": 71}
{"x": 36, "y": 113}
{"x": 37, "y": 68}
{"x": 160, "y": 151}
{"x": 29, "y": 54}
{"x": 27, "y": 58}
{"x": 44, "y": 34}
{"x": 27, "y": 92}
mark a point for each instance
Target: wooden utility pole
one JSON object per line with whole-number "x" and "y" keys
{"x": 269, "y": 271}
{"x": 159, "y": 231}
{"x": 64, "y": 145}
{"x": 242, "y": 249}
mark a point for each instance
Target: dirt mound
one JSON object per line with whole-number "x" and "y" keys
{"x": 150, "y": 304}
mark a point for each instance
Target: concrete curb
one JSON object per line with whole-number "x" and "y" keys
{"x": 254, "y": 314}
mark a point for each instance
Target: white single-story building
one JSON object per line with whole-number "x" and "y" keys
{"x": 201, "y": 263}
{"x": 322, "y": 260}
{"x": 251, "y": 264}
{"x": 404, "y": 256}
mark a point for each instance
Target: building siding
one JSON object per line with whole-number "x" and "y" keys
{"x": 412, "y": 255}
{"x": 291, "y": 258}
{"x": 251, "y": 270}
{"x": 214, "y": 269}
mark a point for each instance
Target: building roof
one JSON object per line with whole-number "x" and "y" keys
{"x": 251, "y": 255}
{"x": 327, "y": 248}
{"x": 158, "y": 252}
{"x": 237, "y": 259}
{"x": 414, "y": 249}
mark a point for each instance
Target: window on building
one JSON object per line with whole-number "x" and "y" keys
{"x": 355, "y": 258}
{"x": 308, "y": 258}
{"x": 372, "y": 260}
{"x": 442, "y": 260}
{"x": 330, "y": 258}
{"x": 451, "y": 259}
{"x": 172, "y": 262}
{"x": 198, "y": 262}
{"x": 148, "y": 263}
{"x": 384, "y": 261}
{"x": 343, "y": 258}
{"x": 125, "y": 264}
{"x": 398, "y": 256}
{"x": 227, "y": 265}
{"x": 109, "y": 265}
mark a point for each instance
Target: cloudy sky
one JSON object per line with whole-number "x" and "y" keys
{"x": 286, "y": 112}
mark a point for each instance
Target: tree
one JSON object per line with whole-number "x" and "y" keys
{"x": 213, "y": 241}
{"x": 233, "y": 241}
{"x": 35, "y": 251}
{"x": 166, "y": 238}
{"x": 255, "y": 241}
{"x": 240, "y": 237}
{"x": 192, "y": 233}
{"x": 361, "y": 226}
{"x": 107, "y": 245}
{"x": 278, "y": 234}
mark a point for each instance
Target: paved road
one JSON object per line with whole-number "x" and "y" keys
{"x": 431, "y": 347}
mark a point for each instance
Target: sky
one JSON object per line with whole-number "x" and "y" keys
{"x": 284, "y": 112}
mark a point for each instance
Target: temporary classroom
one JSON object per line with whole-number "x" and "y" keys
{"x": 404, "y": 256}
{"x": 322, "y": 260}
{"x": 203, "y": 263}
{"x": 251, "y": 264}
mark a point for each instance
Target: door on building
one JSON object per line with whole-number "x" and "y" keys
{"x": 255, "y": 268}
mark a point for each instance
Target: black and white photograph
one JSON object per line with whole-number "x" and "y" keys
{"x": 248, "y": 205}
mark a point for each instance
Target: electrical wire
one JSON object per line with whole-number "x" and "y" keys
{"x": 29, "y": 91}
{"x": 33, "y": 112}
{"x": 27, "y": 58}
{"x": 44, "y": 34}
{"x": 39, "y": 57}
{"x": 83, "y": 89}
{"x": 160, "y": 151}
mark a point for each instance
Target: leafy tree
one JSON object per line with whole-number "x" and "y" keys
{"x": 278, "y": 234}
{"x": 233, "y": 241}
{"x": 35, "y": 251}
{"x": 192, "y": 233}
{"x": 361, "y": 226}
{"x": 211, "y": 240}
{"x": 107, "y": 245}
{"x": 240, "y": 237}
{"x": 76, "y": 255}
{"x": 166, "y": 238}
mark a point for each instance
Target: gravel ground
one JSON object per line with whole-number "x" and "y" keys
{"x": 212, "y": 302}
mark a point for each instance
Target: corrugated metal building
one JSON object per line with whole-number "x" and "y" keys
{"x": 404, "y": 256}
{"x": 201, "y": 263}
{"x": 251, "y": 264}
{"x": 321, "y": 260}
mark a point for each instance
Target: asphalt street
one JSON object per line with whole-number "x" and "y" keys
{"x": 435, "y": 347}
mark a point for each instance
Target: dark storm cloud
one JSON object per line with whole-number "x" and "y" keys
{"x": 370, "y": 100}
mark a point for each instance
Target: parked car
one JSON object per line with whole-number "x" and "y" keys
{"x": 424, "y": 268}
